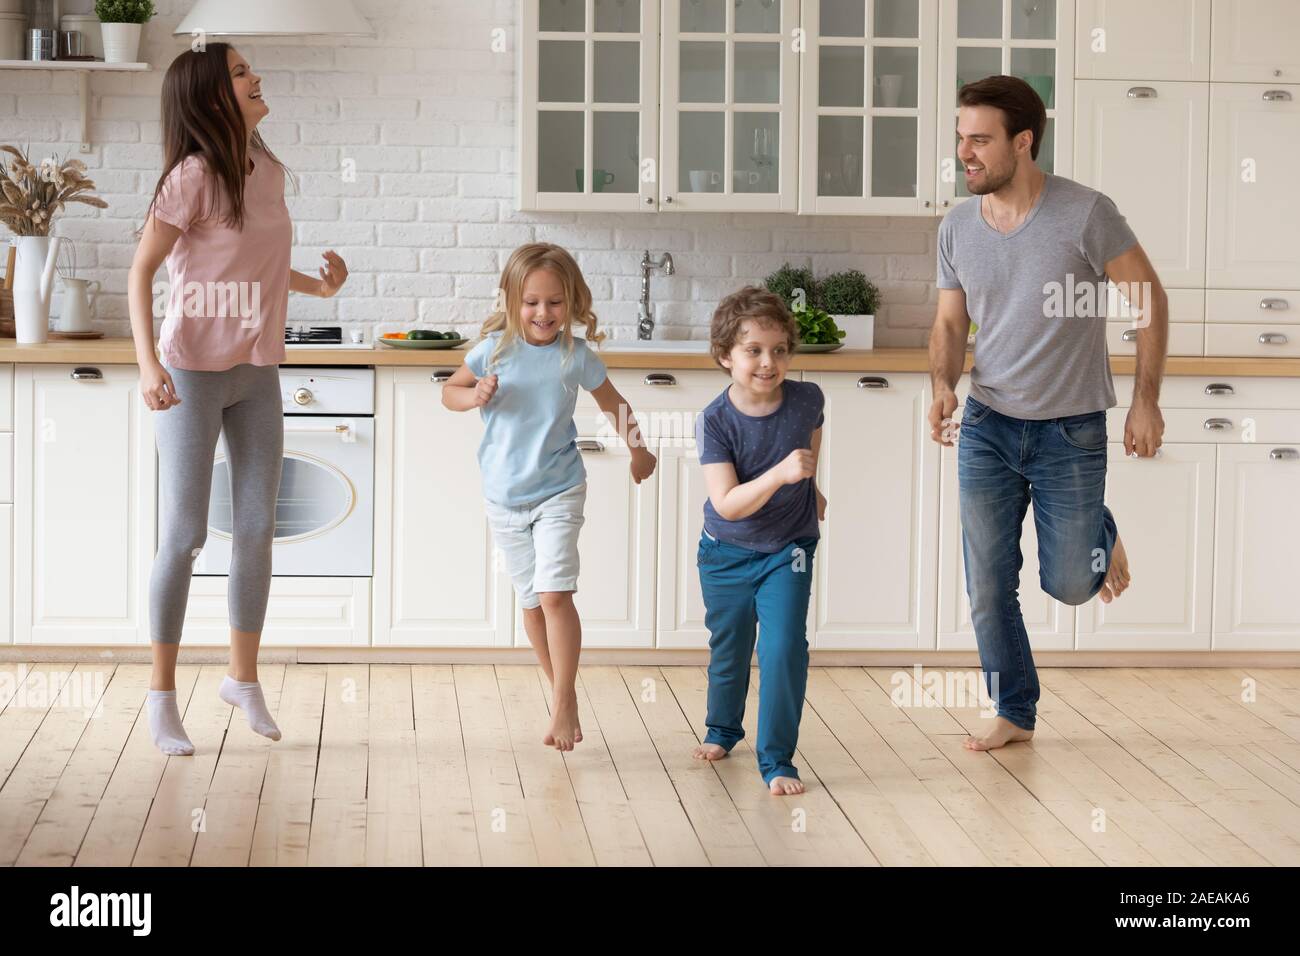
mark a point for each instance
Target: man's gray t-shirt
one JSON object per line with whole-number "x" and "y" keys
{"x": 1035, "y": 356}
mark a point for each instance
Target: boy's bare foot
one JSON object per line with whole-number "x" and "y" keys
{"x": 708, "y": 752}
{"x": 1117, "y": 578}
{"x": 785, "y": 786}
{"x": 564, "y": 732}
{"x": 1000, "y": 734}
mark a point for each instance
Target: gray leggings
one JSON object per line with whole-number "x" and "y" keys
{"x": 244, "y": 403}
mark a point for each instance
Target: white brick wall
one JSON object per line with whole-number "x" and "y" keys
{"x": 427, "y": 113}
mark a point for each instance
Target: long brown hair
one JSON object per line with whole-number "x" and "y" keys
{"x": 201, "y": 117}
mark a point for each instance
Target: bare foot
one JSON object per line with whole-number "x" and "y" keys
{"x": 564, "y": 724}
{"x": 785, "y": 786}
{"x": 1117, "y": 578}
{"x": 1000, "y": 734}
{"x": 549, "y": 739}
{"x": 708, "y": 752}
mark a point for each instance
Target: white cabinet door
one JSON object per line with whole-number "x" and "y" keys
{"x": 1146, "y": 40}
{"x": 867, "y": 112}
{"x": 436, "y": 577}
{"x": 879, "y": 472}
{"x": 588, "y": 104}
{"x": 1255, "y": 41}
{"x": 680, "y": 618}
{"x": 730, "y": 106}
{"x": 1257, "y": 548}
{"x": 6, "y": 574}
{"x": 1164, "y": 510}
{"x": 1254, "y": 211}
{"x": 1143, "y": 145}
{"x": 85, "y": 515}
{"x": 1033, "y": 41}
{"x": 1048, "y": 622}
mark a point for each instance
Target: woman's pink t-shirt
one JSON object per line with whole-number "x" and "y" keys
{"x": 229, "y": 298}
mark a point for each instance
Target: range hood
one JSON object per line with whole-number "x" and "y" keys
{"x": 273, "y": 18}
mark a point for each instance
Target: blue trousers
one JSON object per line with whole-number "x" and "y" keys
{"x": 1003, "y": 463}
{"x": 744, "y": 589}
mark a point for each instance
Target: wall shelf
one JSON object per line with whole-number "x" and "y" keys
{"x": 83, "y": 69}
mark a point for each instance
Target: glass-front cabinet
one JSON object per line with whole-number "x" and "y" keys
{"x": 589, "y": 95}
{"x": 1030, "y": 39}
{"x": 868, "y": 130}
{"x": 729, "y": 111}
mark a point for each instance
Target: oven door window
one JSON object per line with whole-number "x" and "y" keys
{"x": 314, "y": 497}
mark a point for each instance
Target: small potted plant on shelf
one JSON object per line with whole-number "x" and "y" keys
{"x": 851, "y": 298}
{"x": 121, "y": 22}
{"x": 817, "y": 330}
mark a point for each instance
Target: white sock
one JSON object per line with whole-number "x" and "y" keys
{"x": 248, "y": 697}
{"x": 165, "y": 724}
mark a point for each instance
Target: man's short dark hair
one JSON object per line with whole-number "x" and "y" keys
{"x": 1022, "y": 108}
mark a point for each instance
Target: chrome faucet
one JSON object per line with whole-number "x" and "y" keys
{"x": 645, "y": 325}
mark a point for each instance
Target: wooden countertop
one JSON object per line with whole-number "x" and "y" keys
{"x": 121, "y": 351}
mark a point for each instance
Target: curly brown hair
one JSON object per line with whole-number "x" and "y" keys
{"x": 754, "y": 303}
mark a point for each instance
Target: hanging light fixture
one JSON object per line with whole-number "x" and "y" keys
{"x": 252, "y": 18}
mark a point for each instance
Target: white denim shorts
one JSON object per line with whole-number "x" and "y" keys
{"x": 540, "y": 543}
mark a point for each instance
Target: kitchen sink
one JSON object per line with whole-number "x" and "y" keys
{"x": 695, "y": 346}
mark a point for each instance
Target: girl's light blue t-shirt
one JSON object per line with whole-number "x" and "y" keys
{"x": 529, "y": 450}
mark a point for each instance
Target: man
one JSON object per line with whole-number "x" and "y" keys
{"x": 1027, "y": 259}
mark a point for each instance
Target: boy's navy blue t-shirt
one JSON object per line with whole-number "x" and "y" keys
{"x": 753, "y": 445}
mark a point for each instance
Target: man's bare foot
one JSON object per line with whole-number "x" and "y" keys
{"x": 785, "y": 786}
{"x": 1117, "y": 578}
{"x": 1000, "y": 734}
{"x": 564, "y": 724}
{"x": 708, "y": 752}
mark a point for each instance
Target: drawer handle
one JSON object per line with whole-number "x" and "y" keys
{"x": 873, "y": 381}
{"x": 660, "y": 378}
{"x": 1142, "y": 93}
{"x": 1218, "y": 424}
{"x": 590, "y": 444}
{"x": 439, "y": 377}
{"x": 1130, "y": 335}
{"x": 1275, "y": 96}
{"x": 1272, "y": 338}
{"x": 1274, "y": 305}
{"x": 86, "y": 374}
{"x": 1283, "y": 454}
{"x": 1220, "y": 388}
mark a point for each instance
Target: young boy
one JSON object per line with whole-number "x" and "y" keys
{"x": 758, "y": 443}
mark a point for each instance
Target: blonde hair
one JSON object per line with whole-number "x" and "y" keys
{"x": 508, "y": 319}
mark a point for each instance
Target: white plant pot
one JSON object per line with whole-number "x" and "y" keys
{"x": 121, "y": 42}
{"x": 860, "y": 329}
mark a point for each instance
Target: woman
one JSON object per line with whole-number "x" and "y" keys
{"x": 219, "y": 221}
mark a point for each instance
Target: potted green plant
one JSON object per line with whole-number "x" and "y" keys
{"x": 817, "y": 329}
{"x": 794, "y": 284}
{"x": 851, "y": 299}
{"x": 121, "y": 22}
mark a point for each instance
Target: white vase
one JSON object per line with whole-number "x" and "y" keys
{"x": 860, "y": 330}
{"x": 121, "y": 42}
{"x": 34, "y": 288}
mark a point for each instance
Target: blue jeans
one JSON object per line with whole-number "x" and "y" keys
{"x": 744, "y": 588}
{"x": 1003, "y": 463}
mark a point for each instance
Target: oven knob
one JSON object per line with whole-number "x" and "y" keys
{"x": 303, "y": 396}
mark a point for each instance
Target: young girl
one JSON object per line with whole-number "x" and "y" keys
{"x": 524, "y": 376}
{"x": 219, "y": 221}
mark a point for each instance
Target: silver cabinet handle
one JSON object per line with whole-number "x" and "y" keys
{"x": 1272, "y": 338}
{"x": 1220, "y": 388}
{"x": 668, "y": 199}
{"x": 1272, "y": 96}
{"x": 1283, "y": 454}
{"x": 1130, "y": 335}
{"x": 1142, "y": 93}
{"x": 1274, "y": 305}
{"x": 946, "y": 204}
{"x": 590, "y": 444}
{"x": 439, "y": 377}
{"x": 927, "y": 204}
{"x": 1218, "y": 424}
{"x": 661, "y": 379}
{"x": 873, "y": 381}
{"x": 649, "y": 200}
{"x": 86, "y": 374}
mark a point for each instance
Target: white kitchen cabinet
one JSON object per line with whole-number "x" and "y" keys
{"x": 588, "y": 105}
{"x": 1143, "y": 145}
{"x": 867, "y": 107}
{"x": 1030, "y": 40}
{"x": 680, "y": 618}
{"x": 301, "y": 612}
{"x": 1164, "y": 510}
{"x": 875, "y": 584}
{"x": 730, "y": 106}
{"x": 1254, "y": 206}
{"x": 1257, "y": 547}
{"x": 437, "y": 580}
{"x": 85, "y": 487}
{"x": 1144, "y": 40}
{"x": 6, "y": 504}
{"x": 1254, "y": 41}
{"x": 6, "y": 574}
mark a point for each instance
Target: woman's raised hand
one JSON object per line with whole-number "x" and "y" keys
{"x": 333, "y": 274}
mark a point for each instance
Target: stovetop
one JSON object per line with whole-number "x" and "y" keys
{"x": 323, "y": 337}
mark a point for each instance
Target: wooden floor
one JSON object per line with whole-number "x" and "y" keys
{"x": 397, "y": 764}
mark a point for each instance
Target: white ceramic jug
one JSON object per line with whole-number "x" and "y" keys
{"x": 78, "y": 305}
{"x": 34, "y": 287}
